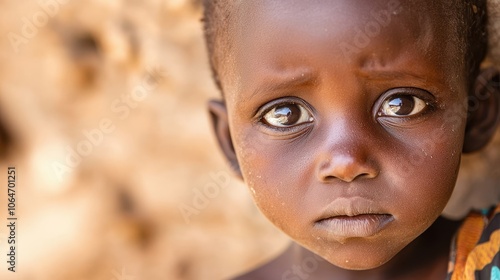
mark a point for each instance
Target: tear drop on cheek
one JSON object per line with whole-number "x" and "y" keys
{"x": 253, "y": 191}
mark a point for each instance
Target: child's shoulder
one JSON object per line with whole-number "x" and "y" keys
{"x": 271, "y": 270}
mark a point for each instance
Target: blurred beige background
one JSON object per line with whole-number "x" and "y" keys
{"x": 132, "y": 77}
{"x": 102, "y": 111}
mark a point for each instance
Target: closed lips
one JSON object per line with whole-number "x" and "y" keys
{"x": 364, "y": 225}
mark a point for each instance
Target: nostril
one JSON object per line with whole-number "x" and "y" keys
{"x": 346, "y": 171}
{"x": 367, "y": 175}
{"x": 330, "y": 178}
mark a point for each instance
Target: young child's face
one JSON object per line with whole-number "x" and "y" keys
{"x": 347, "y": 119}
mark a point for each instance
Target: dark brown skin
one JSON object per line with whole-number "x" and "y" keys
{"x": 351, "y": 148}
{"x": 431, "y": 250}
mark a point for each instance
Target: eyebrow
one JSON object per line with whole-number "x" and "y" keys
{"x": 389, "y": 75}
{"x": 303, "y": 78}
{"x": 431, "y": 75}
{"x": 285, "y": 82}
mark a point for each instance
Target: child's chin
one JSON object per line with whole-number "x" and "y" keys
{"x": 360, "y": 259}
{"x": 359, "y": 265}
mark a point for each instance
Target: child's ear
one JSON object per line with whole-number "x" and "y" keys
{"x": 484, "y": 110}
{"x": 220, "y": 124}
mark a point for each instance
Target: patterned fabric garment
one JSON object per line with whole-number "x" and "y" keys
{"x": 475, "y": 248}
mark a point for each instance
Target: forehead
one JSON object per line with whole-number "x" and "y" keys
{"x": 357, "y": 32}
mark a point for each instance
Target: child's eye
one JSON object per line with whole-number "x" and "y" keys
{"x": 287, "y": 115}
{"x": 402, "y": 106}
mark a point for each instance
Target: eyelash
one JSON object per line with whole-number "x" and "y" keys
{"x": 264, "y": 110}
{"x": 427, "y": 98}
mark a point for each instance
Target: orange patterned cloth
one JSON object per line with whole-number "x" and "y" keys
{"x": 475, "y": 248}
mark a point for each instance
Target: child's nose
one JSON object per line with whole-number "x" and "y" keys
{"x": 346, "y": 167}
{"x": 347, "y": 153}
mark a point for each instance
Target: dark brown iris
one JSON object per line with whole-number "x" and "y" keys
{"x": 402, "y": 105}
{"x": 287, "y": 114}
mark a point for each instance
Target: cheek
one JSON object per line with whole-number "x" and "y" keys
{"x": 275, "y": 175}
{"x": 426, "y": 175}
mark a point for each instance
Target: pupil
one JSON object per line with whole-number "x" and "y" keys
{"x": 402, "y": 105}
{"x": 287, "y": 114}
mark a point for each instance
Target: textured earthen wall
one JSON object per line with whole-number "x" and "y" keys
{"x": 134, "y": 72}
{"x": 102, "y": 111}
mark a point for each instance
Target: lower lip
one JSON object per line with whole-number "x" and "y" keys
{"x": 356, "y": 226}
